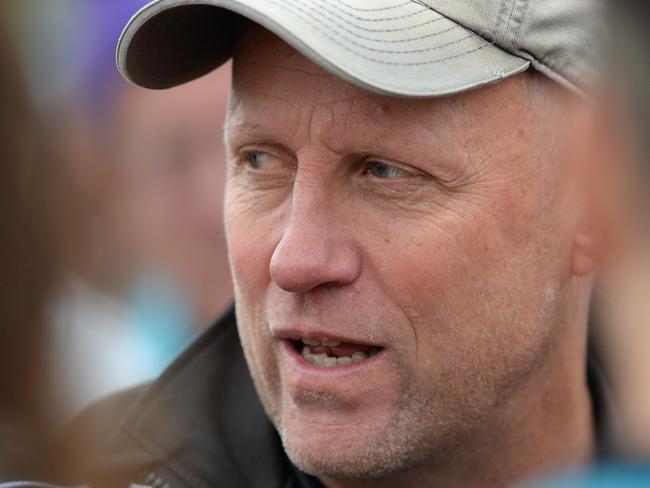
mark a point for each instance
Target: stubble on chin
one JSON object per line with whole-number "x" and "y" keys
{"x": 410, "y": 434}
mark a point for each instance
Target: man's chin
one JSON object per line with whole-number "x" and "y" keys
{"x": 334, "y": 464}
{"x": 337, "y": 452}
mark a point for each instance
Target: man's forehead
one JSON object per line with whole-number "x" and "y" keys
{"x": 264, "y": 62}
{"x": 269, "y": 73}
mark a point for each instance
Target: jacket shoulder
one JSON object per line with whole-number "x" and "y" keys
{"x": 90, "y": 435}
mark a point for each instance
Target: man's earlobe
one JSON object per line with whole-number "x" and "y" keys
{"x": 584, "y": 255}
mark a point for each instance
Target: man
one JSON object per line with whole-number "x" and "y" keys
{"x": 411, "y": 243}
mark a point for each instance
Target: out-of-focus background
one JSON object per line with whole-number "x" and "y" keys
{"x": 134, "y": 202}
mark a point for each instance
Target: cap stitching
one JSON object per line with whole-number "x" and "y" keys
{"x": 554, "y": 74}
{"x": 507, "y": 27}
{"x": 311, "y": 21}
{"x": 519, "y": 7}
{"x": 388, "y": 41}
{"x": 394, "y": 41}
{"x": 524, "y": 15}
{"x": 424, "y": 3}
{"x": 365, "y": 29}
{"x": 382, "y": 9}
{"x": 380, "y": 61}
{"x": 382, "y": 19}
{"x": 388, "y": 51}
{"x": 498, "y": 34}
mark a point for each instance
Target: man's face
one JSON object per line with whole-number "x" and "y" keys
{"x": 415, "y": 247}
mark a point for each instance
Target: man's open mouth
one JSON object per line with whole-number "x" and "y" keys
{"x": 331, "y": 353}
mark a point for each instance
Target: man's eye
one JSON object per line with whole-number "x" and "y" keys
{"x": 264, "y": 162}
{"x": 385, "y": 171}
{"x": 257, "y": 160}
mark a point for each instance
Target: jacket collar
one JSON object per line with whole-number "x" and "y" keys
{"x": 202, "y": 419}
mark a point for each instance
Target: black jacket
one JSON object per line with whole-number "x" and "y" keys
{"x": 201, "y": 425}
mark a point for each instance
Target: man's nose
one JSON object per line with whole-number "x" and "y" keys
{"x": 315, "y": 249}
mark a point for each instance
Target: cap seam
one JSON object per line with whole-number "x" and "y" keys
{"x": 319, "y": 27}
{"x": 424, "y": 4}
{"x": 515, "y": 20}
{"x": 522, "y": 22}
{"x": 499, "y": 28}
{"x": 345, "y": 29}
{"x": 480, "y": 36}
{"x": 382, "y": 9}
{"x": 299, "y": 4}
{"x": 553, "y": 74}
{"x": 385, "y": 19}
{"x": 411, "y": 27}
{"x": 512, "y": 12}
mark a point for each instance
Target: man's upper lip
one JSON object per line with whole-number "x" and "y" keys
{"x": 317, "y": 335}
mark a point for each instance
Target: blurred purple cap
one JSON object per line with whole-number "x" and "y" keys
{"x": 99, "y": 25}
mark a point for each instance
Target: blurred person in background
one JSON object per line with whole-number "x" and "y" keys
{"x": 107, "y": 275}
{"x": 620, "y": 143}
{"x": 158, "y": 270}
{"x": 615, "y": 142}
{"x": 146, "y": 260}
{"x": 29, "y": 191}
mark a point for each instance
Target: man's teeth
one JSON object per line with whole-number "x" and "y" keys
{"x": 325, "y": 361}
{"x": 316, "y": 342}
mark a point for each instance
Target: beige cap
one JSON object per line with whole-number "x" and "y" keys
{"x": 415, "y": 48}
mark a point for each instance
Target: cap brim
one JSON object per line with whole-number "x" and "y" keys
{"x": 399, "y": 48}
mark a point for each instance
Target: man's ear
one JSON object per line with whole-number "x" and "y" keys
{"x": 596, "y": 190}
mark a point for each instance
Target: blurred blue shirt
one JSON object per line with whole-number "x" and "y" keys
{"x": 606, "y": 475}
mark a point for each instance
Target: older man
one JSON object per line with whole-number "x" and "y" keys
{"x": 411, "y": 243}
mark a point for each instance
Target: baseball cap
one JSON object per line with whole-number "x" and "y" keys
{"x": 412, "y": 48}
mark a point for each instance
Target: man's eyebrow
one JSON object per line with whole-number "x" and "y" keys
{"x": 247, "y": 132}
{"x": 249, "y": 129}
{"x": 245, "y": 126}
{"x": 378, "y": 147}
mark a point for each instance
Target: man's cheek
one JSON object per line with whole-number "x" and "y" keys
{"x": 429, "y": 270}
{"x": 249, "y": 265}
{"x": 250, "y": 249}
